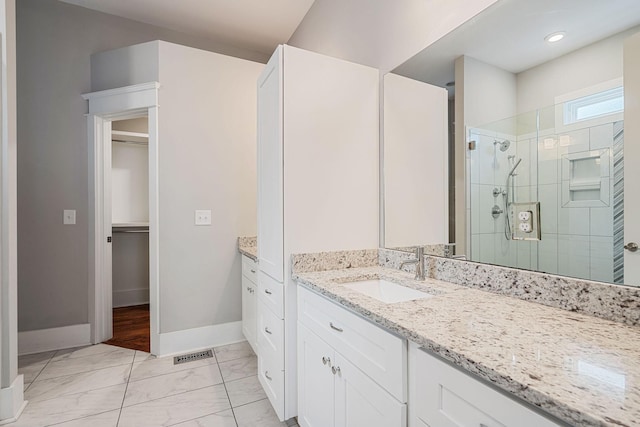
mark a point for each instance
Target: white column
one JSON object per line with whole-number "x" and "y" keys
{"x": 11, "y": 391}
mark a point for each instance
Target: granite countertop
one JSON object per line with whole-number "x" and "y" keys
{"x": 248, "y": 246}
{"x": 583, "y": 370}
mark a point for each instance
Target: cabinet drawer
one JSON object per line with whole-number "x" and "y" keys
{"x": 378, "y": 353}
{"x": 270, "y": 332}
{"x": 250, "y": 269}
{"x": 270, "y": 292}
{"x": 444, "y": 396}
{"x": 271, "y": 376}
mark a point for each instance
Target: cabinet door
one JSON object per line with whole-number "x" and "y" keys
{"x": 249, "y": 318}
{"x": 315, "y": 380}
{"x": 270, "y": 169}
{"x": 444, "y": 396}
{"x": 361, "y": 402}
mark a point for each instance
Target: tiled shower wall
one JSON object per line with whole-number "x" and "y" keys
{"x": 576, "y": 241}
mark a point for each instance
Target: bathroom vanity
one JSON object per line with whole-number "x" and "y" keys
{"x": 457, "y": 356}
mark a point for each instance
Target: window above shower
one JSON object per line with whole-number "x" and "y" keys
{"x": 594, "y": 106}
{"x": 590, "y": 106}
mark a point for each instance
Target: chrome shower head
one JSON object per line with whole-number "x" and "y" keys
{"x": 504, "y": 145}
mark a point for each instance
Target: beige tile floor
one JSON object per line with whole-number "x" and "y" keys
{"x": 107, "y": 386}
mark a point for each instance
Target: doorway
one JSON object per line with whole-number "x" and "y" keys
{"x": 105, "y": 108}
{"x": 129, "y": 176}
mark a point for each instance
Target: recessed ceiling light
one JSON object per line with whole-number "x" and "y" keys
{"x": 555, "y": 37}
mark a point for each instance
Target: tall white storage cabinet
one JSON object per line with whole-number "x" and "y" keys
{"x": 317, "y": 189}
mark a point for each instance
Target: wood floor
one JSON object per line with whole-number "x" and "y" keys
{"x": 131, "y": 327}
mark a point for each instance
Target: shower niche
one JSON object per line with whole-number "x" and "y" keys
{"x": 585, "y": 179}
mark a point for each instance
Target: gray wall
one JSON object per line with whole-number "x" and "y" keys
{"x": 54, "y": 44}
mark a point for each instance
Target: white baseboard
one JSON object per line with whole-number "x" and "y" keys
{"x": 195, "y": 339}
{"x": 30, "y": 342}
{"x": 12, "y": 401}
{"x": 130, "y": 297}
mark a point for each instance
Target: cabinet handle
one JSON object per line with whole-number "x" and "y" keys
{"x": 253, "y": 290}
{"x": 249, "y": 289}
{"x": 266, "y": 329}
{"x": 326, "y": 360}
{"x": 266, "y": 375}
{"x": 268, "y": 292}
{"x": 252, "y": 270}
{"x": 335, "y": 328}
{"x": 335, "y": 370}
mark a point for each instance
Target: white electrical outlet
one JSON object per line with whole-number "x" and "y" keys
{"x": 525, "y": 227}
{"x": 203, "y": 217}
{"x": 524, "y": 216}
{"x": 69, "y": 217}
{"x": 526, "y": 221}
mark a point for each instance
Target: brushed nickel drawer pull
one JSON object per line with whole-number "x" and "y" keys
{"x": 268, "y": 292}
{"x": 266, "y": 375}
{"x": 335, "y": 370}
{"x": 335, "y": 328}
{"x": 252, "y": 270}
{"x": 326, "y": 360}
{"x": 266, "y": 329}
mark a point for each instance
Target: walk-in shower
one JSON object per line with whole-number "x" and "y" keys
{"x": 536, "y": 171}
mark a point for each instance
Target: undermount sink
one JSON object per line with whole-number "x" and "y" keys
{"x": 385, "y": 291}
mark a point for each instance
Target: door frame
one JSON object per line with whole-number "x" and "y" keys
{"x": 104, "y": 107}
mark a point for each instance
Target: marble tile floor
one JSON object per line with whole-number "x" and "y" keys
{"x": 107, "y": 386}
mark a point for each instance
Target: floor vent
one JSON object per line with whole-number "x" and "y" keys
{"x": 192, "y": 357}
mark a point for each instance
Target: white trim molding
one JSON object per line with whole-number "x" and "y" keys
{"x": 105, "y": 106}
{"x": 12, "y": 402}
{"x": 122, "y": 99}
{"x": 40, "y": 340}
{"x": 195, "y": 339}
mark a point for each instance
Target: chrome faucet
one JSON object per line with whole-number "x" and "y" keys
{"x": 419, "y": 262}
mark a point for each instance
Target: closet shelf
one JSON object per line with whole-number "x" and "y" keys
{"x": 129, "y": 224}
{"x": 129, "y": 137}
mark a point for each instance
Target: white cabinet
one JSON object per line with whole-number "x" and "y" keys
{"x": 249, "y": 301}
{"x": 333, "y": 392}
{"x": 351, "y": 373}
{"x": 316, "y": 395}
{"x": 381, "y": 355}
{"x": 270, "y": 170}
{"x": 318, "y": 122}
{"x": 444, "y": 396}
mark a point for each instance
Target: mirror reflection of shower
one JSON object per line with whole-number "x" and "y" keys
{"x": 510, "y": 186}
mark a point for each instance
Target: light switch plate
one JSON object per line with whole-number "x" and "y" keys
{"x": 203, "y": 217}
{"x": 69, "y": 217}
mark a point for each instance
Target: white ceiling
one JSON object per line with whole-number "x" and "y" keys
{"x": 510, "y": 35}
{"x": 257, "y": 25}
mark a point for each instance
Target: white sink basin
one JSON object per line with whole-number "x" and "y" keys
{"x": 385, "y": 291}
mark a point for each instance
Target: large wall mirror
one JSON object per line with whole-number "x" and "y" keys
{"x": 536, "y": 106}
